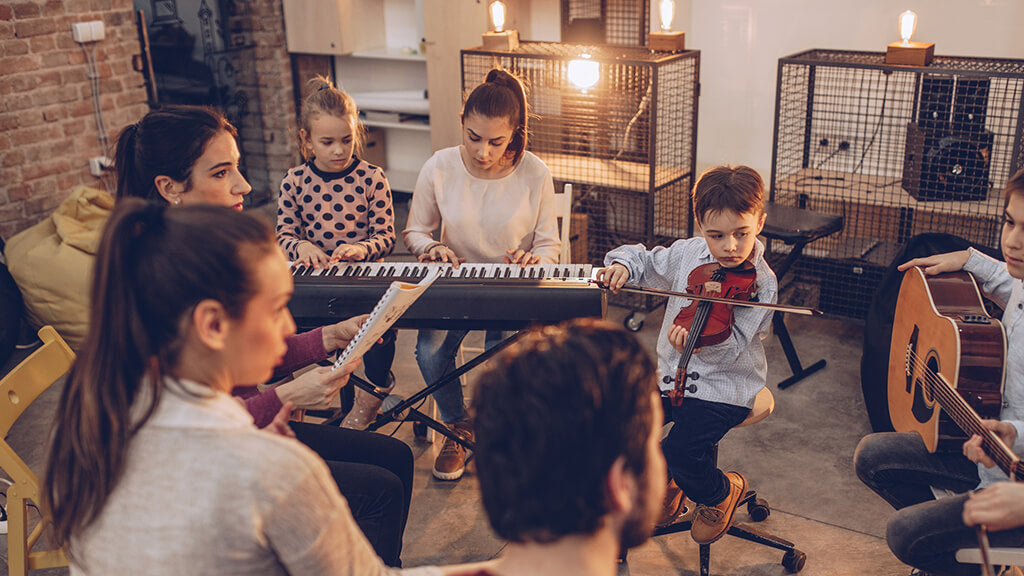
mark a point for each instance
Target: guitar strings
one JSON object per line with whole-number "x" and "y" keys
{"x": 957, "y": 405}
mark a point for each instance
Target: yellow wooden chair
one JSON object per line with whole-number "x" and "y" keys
{"x": 18, "y": 389}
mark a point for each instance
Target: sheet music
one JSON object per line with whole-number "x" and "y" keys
{"x": 395, "y": 301}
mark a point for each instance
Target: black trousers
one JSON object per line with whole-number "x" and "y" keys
{"x": 374, "y": 473}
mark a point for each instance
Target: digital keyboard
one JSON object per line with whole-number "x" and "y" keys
{"x": 472, "y": 297}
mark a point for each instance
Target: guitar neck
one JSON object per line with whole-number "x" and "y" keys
{"x": 968, "y": 420}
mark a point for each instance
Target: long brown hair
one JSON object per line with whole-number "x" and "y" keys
{"x": 502, "y": 95}
{"x": 166, "y": 142}
{"x": 154, "y": 265}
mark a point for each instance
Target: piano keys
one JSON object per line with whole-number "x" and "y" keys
{"x": 472, "y": 297}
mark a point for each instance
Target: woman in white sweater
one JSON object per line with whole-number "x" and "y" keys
{"x": 154, "y": 468}
{"x": 496, "y": 201}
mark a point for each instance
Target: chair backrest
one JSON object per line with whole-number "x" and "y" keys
{"x": 19, "y": 388}
{"x": 563, "y": 211}
{"x": 32, "y": 376}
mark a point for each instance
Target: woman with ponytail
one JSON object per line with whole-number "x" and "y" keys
{"x": 155, "y": 469}
{"x": 497, "y": 202}
{"x": 187, "y": 155}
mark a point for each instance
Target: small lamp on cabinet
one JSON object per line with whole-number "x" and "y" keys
{"x": 906, "y": 52}
{"x": 499, "y": 38}
{"x": 667, "y": 40}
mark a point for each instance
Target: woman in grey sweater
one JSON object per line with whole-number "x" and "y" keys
{"x": 155, "y": 469}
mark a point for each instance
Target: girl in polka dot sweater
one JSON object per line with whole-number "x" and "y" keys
{"x": 338, "y": 207}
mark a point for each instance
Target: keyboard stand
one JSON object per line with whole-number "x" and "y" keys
{"x": 395, "y": 412}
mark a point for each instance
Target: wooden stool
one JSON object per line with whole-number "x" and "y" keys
{"x": 758, "y": 509}
{"x": 795, "y": 227}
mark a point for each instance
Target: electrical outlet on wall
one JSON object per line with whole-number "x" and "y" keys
{"x": 91, "y": 31}
{"x": 97, "y": 164}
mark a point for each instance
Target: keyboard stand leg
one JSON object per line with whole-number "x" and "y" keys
{"x": 799, "y": 372}
{"x": 453, "y": 376}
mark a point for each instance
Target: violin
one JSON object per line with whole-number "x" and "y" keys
{"x": 710, "y": 322}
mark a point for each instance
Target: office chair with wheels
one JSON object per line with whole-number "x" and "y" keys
{"x": 793, "y": 560}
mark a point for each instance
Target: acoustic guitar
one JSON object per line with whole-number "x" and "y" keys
{"x": 947, "y": 353}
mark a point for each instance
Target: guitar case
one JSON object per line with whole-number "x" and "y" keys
{"x": 874, "y": 360}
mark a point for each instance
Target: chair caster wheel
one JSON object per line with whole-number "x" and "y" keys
{"x": 758, "y": 510}
{"x": 634, "y": 322}
{"x": 793, "y": 561}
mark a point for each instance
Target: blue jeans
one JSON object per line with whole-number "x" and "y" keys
{"x": 435, "y": 354}
{"x": 924, "y": 532}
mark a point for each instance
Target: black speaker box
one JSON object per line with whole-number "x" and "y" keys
{"x": 951, "y": 167}
{"x": 936, "y": 103}
{"x": 970, "y": 103}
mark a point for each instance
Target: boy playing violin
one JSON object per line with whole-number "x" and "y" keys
{"x": 723, "y": 378}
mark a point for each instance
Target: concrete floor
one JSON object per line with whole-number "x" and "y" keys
{"x": 799, "y": 459}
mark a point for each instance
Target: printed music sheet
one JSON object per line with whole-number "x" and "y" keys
{"x": 395, "y": 301}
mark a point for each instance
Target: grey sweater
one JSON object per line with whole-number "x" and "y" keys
{"x": 204, "y": 492}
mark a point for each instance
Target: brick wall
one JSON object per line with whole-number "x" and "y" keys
{"x": 47, "y": 130}
{"x": 268, "y": 137}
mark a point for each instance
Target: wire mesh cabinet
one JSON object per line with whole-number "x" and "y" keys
{"x": 627, "y": 143}
{"x": 897, "y": 151}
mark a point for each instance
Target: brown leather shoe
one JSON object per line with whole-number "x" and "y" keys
{"x": 711, "y": 522}
{"x": 451, "y": 462}
{"x": 673, "y": 506}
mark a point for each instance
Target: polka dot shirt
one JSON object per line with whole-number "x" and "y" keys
{"x": 334, "y": 208}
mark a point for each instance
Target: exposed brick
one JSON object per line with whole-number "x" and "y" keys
{"x": 26, "y": 63}
{"x": 23, "y": 82}
{"x": 42, "y": 44}
{"x": 74, "y": 127}
{"x": 6, "y": 12}
{"x": 25, "y": 10}
{"x": 19, "y": 192}
{"x": 13, "y": 158}
{"x": 15, "y": 47}
{"x": 6, "y": 30}
{"x": 73, "y": 76}
{"x": 29, "y": 118}
{"x": 8, "y": 122}
{"x": 53, "y": 8}
{"x": 55, "y": 113}
{"x": 54, "y": 59}
{"x": 37, "y": 170}
{"x": 28, "y": 28}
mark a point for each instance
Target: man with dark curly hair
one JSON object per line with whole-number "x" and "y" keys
{"x": 568, "y": 429}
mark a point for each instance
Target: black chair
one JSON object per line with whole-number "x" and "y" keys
{"x": 795, "y": 227}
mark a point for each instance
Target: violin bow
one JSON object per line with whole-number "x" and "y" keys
{"x": 779, "y": 307}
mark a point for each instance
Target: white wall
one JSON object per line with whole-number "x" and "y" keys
{"x": 741, "y": 41}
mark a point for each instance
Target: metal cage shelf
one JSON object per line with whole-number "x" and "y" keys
{"x": 897, "y": 151}
{"x": 627, "y": 144}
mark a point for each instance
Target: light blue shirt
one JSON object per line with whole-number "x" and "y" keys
{"x": 732, "y": 372}
{"x": 1008, "y": 293}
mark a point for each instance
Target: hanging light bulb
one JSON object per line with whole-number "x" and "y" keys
{"x": 498, "y": 15}
{"x": 584, "y": 72}
{"x": 908, "y": 23}
{"x": 668, "y": 12}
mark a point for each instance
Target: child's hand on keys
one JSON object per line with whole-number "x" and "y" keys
{"x": 350, "y": 253}
{"x": 311, "y": 255}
